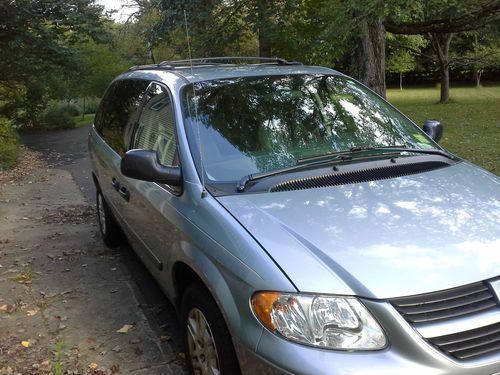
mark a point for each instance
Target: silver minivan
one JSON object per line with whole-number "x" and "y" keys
{"x": 298, "y": 221}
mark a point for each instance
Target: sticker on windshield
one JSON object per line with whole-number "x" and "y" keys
{"x": 422, "y": 140}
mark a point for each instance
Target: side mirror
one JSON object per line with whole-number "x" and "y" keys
{"x": 433, "y": 129}
{"x": 144, "y": 165}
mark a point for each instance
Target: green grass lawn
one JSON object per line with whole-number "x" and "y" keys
{"x": 471, "y": 120}
{"x": 86, "y": 120}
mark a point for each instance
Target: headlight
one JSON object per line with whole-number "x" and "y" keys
{"x": 318, "y": 320}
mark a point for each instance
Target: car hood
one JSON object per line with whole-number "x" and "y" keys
{"x": 381, "y": 239}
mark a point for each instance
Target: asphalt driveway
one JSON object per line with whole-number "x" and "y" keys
{"x": 66, "y": 160}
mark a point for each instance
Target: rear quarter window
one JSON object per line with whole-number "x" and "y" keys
{"x": 118, "y": 112}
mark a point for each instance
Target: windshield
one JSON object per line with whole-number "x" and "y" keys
{"x": 250, "y": 125}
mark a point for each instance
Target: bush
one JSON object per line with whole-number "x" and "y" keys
{"x": 91, "y": 105}
{"x": 9, "y": 145}
{"x": 72, "y": 109}
{"x": 59, "y": 117}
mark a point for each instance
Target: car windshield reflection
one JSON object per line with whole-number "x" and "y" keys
{"x": 258, "y": 124}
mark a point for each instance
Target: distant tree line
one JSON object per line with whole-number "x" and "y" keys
{"x": 362, "y": 37}
{"x": 55, "y": 51}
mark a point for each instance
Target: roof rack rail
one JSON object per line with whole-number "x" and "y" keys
{"x": 150, "y": 66}
{"x": 225, "y": 60}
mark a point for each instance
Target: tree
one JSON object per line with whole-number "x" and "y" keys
{"x": 439, "y": 22}
{"x": 402, "y": 49}
{"x": 37, "y": 39}
{"x": 480, "y": 50}
{"x": 99, "y": 64}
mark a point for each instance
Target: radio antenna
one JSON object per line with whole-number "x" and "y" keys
{"x": 195, "y": 101}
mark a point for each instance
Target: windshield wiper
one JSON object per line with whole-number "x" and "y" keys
{"x": 324, "y": 159}
{"x": 339, "y": 157}
{"x": 428, "y": 151}
{"x": 353, "y": 151}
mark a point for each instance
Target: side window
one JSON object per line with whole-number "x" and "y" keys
{"x": 117, "y": 112}
{"x": 156, "y": 126}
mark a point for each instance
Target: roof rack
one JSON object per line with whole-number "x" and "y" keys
{"x": 210, "y": 61}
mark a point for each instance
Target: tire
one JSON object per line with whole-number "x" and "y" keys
{"x": 198, "y": 309}
{"x": 109, "y": 228}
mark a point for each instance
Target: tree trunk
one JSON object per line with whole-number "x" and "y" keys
{"x": 83, "y": 110}
{"x": 441, "y": 45}
{"x": 264, "y": 44}
{"x": 264, "y": 28}
{"x": 445, "y": 84}
{"x": 401, "y": 80}
{"x": 473, "y": 75}
{"x": 372, "y": 55}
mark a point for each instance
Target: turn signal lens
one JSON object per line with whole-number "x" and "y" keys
{"x": 262, "y": 304}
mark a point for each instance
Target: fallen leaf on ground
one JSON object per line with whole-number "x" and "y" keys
{"x": 9, "y": 309}
{"x": 165, "y": 338}
{"x": 31, "y": 312}
{"x": 93, "y": 366}
{"x": 126, "y": 328}
{"x": 26, "y": 344}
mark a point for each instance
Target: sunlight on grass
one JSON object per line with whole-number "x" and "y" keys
{"x": 471, "y": 120}
{"x": 86, "y": 120}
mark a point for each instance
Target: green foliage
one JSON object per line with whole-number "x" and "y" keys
{"x": 40, "y": 34}
{"x": 402, "y": 50}
{"x": 58, "y": 351}
{"x": 58, "y": 116}
{"x": 88, "y": 105}
{"x": 38, "y": 45}
{"x": 101, "y": 63}
{"x": 9, "y": 144}
{"x": 54, "y": 50}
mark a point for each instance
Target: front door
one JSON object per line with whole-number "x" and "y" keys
{"x": 149, "y": 212}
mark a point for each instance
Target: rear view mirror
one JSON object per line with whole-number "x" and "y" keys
{"x": 433, "y": 129}
{"x": 144, "y": 165}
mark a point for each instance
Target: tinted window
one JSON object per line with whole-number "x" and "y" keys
{"x": 156, "y": 127}
{"x": 257, "y": 124}
{"x": 116, "y": 116}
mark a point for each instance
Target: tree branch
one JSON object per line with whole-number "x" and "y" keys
{"x": 414, "y": 51}
{"x": 472, "y": 20}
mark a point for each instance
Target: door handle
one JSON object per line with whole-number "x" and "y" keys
{"x": 124, "y": 193}
{"x": 115, "y": 183}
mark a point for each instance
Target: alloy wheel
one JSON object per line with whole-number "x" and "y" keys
{"x": 201, "y": 345}
{"x": 101, "y": 213}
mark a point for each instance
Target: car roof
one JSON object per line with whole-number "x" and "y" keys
{"x": 203, "y": 73}
{"x": 199, "y": 73}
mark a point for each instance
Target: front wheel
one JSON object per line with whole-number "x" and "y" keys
{"x": 110, "y": 231}
{"x": 209, "y": 346}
